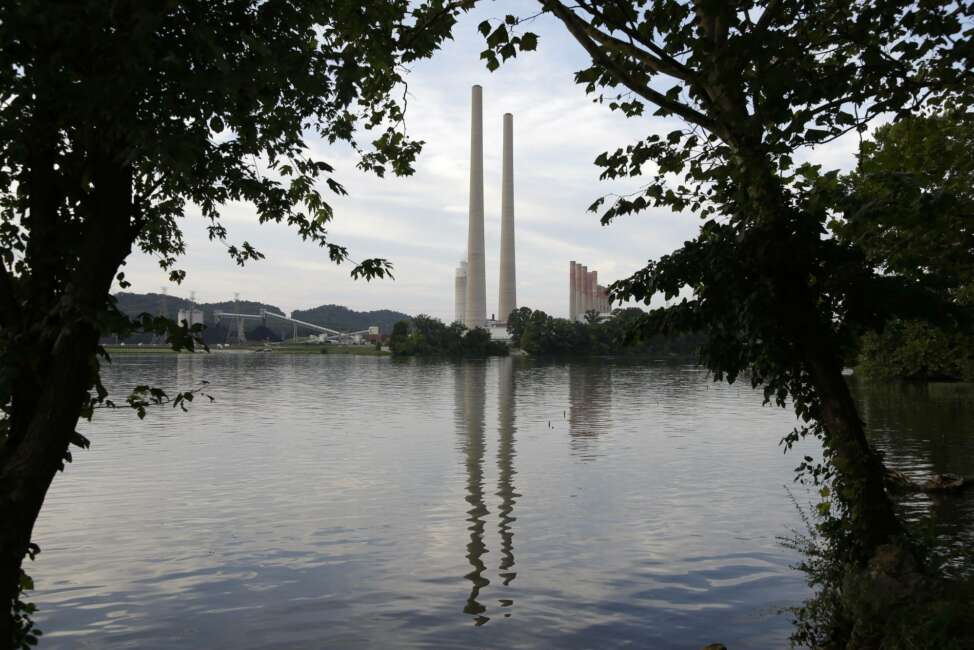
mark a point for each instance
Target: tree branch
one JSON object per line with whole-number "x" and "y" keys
{"x": 418, "y": 29}
{"x": 668, "y": 64}
{"x": 764, "y": 21}
{"x": 576, "y": 28}
{"x": 111, "y": 224}
{"x": 654, "y": 63}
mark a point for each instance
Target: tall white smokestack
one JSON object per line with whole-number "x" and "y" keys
{"x": 476, "y": 303}
{"x": 507, "y": 294}
{"x": 460, "y": 292}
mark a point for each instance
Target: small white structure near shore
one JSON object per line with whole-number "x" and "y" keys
{"x": 191, "y": 316}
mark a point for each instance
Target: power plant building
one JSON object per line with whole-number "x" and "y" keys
{"x": 585, "y": 294}
{"x": 191, "y": 316}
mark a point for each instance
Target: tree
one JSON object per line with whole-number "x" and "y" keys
{"x": 910, "y": 202}
{"x": 517, "y": 320}
{"x": 428, "y": 336}
{"x": 754, "y": 83}
{"x": 477, "y": 343}
{"x": 399, "y": 342}
{"x": 909, "y": 206}
{"x": 115, "y": 117}
{"x": 399, "y": 339}
{"x": 538, "y": 333}
{"x": 917, "y": 350}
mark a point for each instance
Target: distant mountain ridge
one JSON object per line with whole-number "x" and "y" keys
{"x": 133, "y": 304}
{"x": 332, "y": 316}
{"x": 347, "y": 320}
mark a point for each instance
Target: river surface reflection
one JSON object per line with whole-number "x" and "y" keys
{"x": 330, "y": 501}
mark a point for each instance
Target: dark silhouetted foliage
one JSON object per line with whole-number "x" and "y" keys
{"x": 425, "y": 336}
{"x": 537, "y": 333}
{"x": 917, "y": 350}
{"x": 115, "y": 118}
{"x": 909, "y": 205}
{"x": 779, "y": 301}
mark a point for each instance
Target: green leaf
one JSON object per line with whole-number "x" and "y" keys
{"x": 498, "y": 37}
{"x": 814, "y": 135}
{"x": 529, "y": 41}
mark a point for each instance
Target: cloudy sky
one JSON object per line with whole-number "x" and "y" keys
{"x": 419, "y": 222}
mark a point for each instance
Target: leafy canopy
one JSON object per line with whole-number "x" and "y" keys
{"x": 119, "y": 119}
{"x": 909, "y": 206}
{"x": 206, "y": 104}
{"x": 910, "y": 202}
{"x": 755, "y": 83}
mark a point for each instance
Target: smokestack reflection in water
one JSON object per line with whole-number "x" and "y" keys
{"x": 470, "y": 400}
{"x": 505, "y": 467}
{"x": 471, "y": 397}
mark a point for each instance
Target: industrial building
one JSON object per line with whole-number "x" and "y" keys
{"x": 460, "y": 293}
{"x": 191, "y": 316}
{"x": 585, "y": 294}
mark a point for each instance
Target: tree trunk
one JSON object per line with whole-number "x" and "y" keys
{"x": 27, "y": 472}
{"x": 788, "y": 264}
{"x": 859, "y": 469}
{"x": 56, "y": 369}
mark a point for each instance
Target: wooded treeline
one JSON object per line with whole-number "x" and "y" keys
{"x": 426, "y": 336}
{"x": 540, "y": 334}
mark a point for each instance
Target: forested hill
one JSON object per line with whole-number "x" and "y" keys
{"x": 345, "y": 319}
{"x": 333, "y": 316}
{"x": 133, "y": 304}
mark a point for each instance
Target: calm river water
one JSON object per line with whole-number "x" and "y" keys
{"x": 360, "y": 502}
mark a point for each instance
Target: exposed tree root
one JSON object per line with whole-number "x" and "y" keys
{"x": 937, "y": 483}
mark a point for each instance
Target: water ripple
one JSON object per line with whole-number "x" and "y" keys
{"x": 328, "y": 501}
